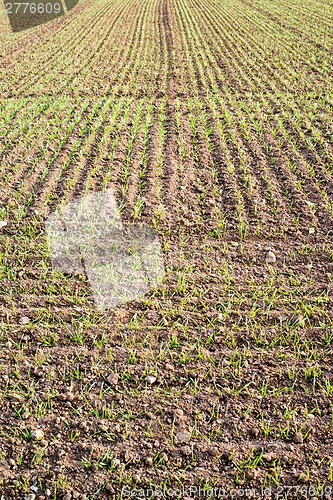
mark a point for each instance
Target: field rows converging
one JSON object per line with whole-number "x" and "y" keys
{"x": 220, "y": 88}
{"x": 212, "y": 122}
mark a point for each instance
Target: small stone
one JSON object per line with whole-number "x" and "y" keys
{"x": 76, "y": 494}
{"x": 149, "y": 461}
{"x": 270, "y": 257}
{"x": 102, "y": 427}
{"x": 311, "y": 230}
{"x": 298, "y": 438}
{"x": 47, "y": 492}
{"x": 9, "y": 344}
{"x": 68, "y": 496}
{"x": 269, "y": 457}
{"x": 113, "y": 378}
{"x": 186, "y": 451}
{"x": 37, "y": 434}
{"x": 150, "y": 379}
{"x": 31, "y": 496}
{"x": 178, "y": 413}
{"x": 24, "y": 320}
{"x": 252, "y": 474}
{"x": 183, "y": 436}
{"x": 213, "y": 451}
{"x": 25, "y": 415}
{"x": 66, "y": 396}
{"x": 3, "y": 223}
{"x": 11, "y": 462}
{"x": 15, "y": 397}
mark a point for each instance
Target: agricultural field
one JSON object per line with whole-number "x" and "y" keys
{"x": 211, "y": 121}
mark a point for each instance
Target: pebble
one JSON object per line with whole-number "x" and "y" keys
{"x": 67, "y": 396}
{"x": 24, "y": 320}
{"x": 37, "y": 434}
{"x": 298, "y": 438}
{"x": 214, "y": 451}
{"x": 113, "y": 378}
{"x": 15, "y": 397}
{"x": 3, "y": 223}
{"x": 9, "y": 344}
{"x": 183, "y": 436}
{"x": 31, "y": 496}
{"x": 186, "y": 450}
{"x": 252, "y": 474}
{"x": 47, "y": 492}
{"x": 269, "y": 457}
{"x": 150, "y": 379}
{"x": 270, "y": 257}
